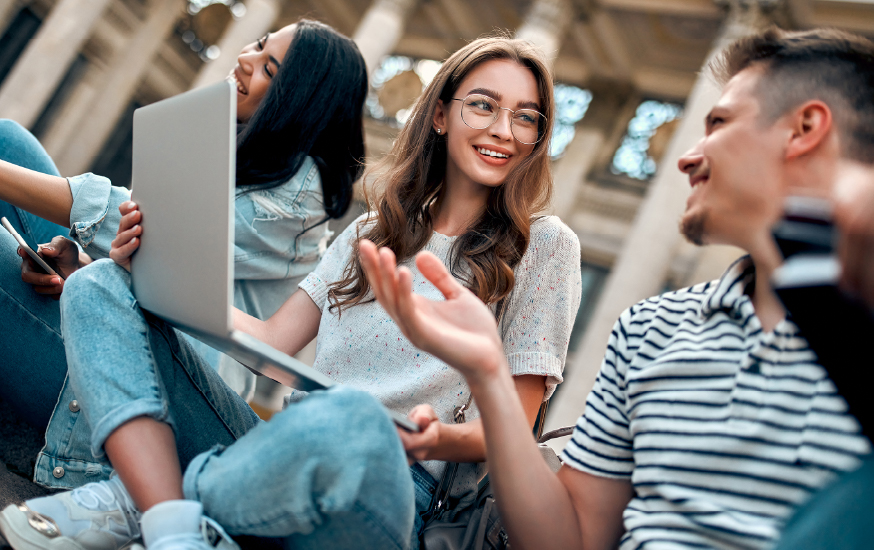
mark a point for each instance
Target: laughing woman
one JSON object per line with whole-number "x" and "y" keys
{"x": 300, "y": 147}
{"x": 466, "y": 179}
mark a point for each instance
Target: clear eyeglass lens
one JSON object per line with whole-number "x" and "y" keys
{"x": 481, "y": 111}
{"x": 526, "y": 126}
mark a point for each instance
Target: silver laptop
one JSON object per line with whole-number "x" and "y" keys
{"x": 184, "y": 156}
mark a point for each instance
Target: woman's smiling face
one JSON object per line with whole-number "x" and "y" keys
{"x": 256, "y": 66}
{"x": 487, "y": 156}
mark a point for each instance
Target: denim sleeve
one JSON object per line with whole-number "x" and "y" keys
{"x": 94, "y": 217}
{"x": 276, "y": 231}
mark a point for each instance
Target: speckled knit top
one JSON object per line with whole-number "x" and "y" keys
{"x": 364, "y": 349}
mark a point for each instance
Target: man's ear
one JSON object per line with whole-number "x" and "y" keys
{"x": 811, "y": 127}
{"x": 438, "y": 120}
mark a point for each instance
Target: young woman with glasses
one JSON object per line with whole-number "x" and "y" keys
{"x": 300, "y": 147}
{"x": 465, "y": 179}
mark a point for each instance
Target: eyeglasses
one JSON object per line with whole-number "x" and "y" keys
{"x": 481, "y": 111}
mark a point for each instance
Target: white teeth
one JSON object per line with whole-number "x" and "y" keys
{"x": 233, "y": 78}
{"x": 492, "y": 153}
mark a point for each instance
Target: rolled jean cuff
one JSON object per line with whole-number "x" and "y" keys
{"x": 189, "y": 478}
{"x": 114, "y": 419}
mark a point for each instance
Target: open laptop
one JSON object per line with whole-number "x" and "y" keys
{"x": 184, "y": 158}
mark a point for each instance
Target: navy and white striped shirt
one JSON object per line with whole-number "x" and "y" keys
{"x": 722, "y": 429}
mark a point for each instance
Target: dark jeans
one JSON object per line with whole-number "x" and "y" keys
{"x": 31, "y": 348}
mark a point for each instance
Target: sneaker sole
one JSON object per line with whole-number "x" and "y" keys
{"x": 22, "y": 536}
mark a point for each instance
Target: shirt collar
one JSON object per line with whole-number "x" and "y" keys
{"x": 729, "y": 293}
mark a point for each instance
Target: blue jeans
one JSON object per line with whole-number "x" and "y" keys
{"x": 31, "y": 348}
{"x": 327, "y": 472}
{"x": 32, "y": 360}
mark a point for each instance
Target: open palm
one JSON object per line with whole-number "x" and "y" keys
{"x": 460, "y": 330}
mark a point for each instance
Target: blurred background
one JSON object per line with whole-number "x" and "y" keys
{"x": 630, "y": 87}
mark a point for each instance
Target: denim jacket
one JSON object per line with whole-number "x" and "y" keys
{"x": 272, "y": 254}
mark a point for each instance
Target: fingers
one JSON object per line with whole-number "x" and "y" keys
{"x": 373, "y": 270}
{"x": 122, "y": 250}
{"x": 33, "y": 275}
{"x": 419, "y": 445}
{"x": 381, "y": 270}
{"x": 127, "y": 240}
{"x": 434, "y": 270}
{"x": 423, "y": 415}
{"x": 130, "y": 216}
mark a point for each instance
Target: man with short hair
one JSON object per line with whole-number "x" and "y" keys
{"x": 710, "y": 420}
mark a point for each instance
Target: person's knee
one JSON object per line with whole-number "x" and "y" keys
{"x": 11, "y": 128}
{"x": 102, "y": 281}
{"x": 357, "y": 419}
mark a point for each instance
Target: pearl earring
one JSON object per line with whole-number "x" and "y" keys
{"x": 439, "y": 131}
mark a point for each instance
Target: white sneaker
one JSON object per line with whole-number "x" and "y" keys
{"x": 181, "y": 525}
{"x": 96, "y": 516}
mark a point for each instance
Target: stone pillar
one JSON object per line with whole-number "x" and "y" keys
{"x": 642, "y": 265}
{"x": 122, "y": 78}
{"x": 381, "y": 29}
{"x": 259, "y": 17}
{"x": 545, "y": 26}
{"x": 570, "y": 171}
{"x": 8, "y": 10}
{"x": 40, "y": 69}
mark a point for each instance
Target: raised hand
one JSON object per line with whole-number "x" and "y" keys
{"x": 460, "y": 330}
{"x": 127, "y": 239}
{"x": 64, "y": 253}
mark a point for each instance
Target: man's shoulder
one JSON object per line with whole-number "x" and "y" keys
{"x": 682, "y": 301}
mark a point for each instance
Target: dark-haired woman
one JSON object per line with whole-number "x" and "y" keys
{"x": 465, "y": 180}
{"x": 300, "y": 148}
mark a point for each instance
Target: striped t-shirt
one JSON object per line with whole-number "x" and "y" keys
{"x": 722, "y": 429}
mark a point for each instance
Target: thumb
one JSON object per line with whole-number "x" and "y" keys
{"x": 47, "y": 250}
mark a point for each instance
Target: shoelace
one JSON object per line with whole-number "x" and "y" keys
{"x": 211, "y": 534}
{"x": 215, "y": 536}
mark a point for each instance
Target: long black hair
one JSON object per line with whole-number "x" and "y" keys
{"x": 313, "y": 108}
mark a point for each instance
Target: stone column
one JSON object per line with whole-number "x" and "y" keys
{"x": 8, "y": 9}
{"x": 642, "y": 265}
{"x": 545, "y": 26}
{"x": 40, "y": 69}
{"x": 570, "y": 171}
{"x": 381, "y": 29}
{"x": 122, "y": 78}
{"x": 259, "y": 17}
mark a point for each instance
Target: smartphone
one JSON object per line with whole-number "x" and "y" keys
{"x": 40, "y": 261}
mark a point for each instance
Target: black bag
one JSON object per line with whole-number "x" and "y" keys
{"x": 478, "y": 526}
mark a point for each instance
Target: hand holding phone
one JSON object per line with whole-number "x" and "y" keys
{"x": 39, "y": 260}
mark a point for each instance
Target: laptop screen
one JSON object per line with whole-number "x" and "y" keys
{"x": 184, "y": 155}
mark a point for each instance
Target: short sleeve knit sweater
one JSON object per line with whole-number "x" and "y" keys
{"x": 364, "y": 349}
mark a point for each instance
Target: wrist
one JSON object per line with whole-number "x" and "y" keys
{"x": 489, "y": 373}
